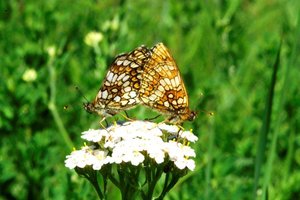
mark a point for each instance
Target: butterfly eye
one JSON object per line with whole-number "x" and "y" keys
{"x": 192, "y": 115}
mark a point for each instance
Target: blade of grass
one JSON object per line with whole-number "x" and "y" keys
{"x": 262, "y": 141}
{"x": 284, "y": 91}
{"x": 274, "y": 136}
{"x": 208, "y": 169}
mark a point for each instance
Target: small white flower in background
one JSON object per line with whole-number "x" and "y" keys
{"x": 93, "y": 38}
{"x": 133, "y": 142}
{"x": 29, "y": 75}
{"x": 113, "y": 24}
{"x": 51, "y": 50}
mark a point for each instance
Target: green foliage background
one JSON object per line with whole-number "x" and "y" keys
{"x": 225, "y": 51}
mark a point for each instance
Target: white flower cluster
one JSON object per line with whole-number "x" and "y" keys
{"x": 131, "y": 142}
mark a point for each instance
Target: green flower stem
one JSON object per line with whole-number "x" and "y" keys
{"x": 114, "y": 180}
{"x": 168, "y": 187}
{"x": 153, "y": 182}
{"x": 133, "y": 181}
{"x": 105, "y": 178}
{"x": 92, "y": 177}
{"x": 128, "y": 181}
{"x": 166, "y": 181}
{"x": 122, "y": 180}
{"x": 52, "y": 106}
{"x": 148, "y": 171}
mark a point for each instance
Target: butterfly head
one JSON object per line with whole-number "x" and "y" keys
{"x": 191, "y": 115}
{"x": 182, "y": 116}
{"x": 188, "y": 115}
{"x": 89, "y": 107}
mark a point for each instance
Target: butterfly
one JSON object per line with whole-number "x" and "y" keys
{"x": 162, "y": 87}
{"x": 120, "y": 88}
{"x": 144, "y": 76}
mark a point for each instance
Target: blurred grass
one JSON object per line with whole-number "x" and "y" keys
{"x": 225, "y": 51}
{"x": 262, "y": 141}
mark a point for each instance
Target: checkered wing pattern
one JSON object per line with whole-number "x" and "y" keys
{"x": 162, "y": 87}
{"x": 120, "y": 88}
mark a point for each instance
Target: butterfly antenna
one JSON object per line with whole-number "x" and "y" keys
{"x": 210, "y": 113}
{"x": 126, "y": 114}
{"x": 67, "y": 107}
{"x": 207, "y": 112}
{"x": 81, "y": 93}
{"x": 106, "y": 122}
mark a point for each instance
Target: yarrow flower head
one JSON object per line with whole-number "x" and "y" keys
{"x": 134, "y": 156}
{"x": 135, "y": 142}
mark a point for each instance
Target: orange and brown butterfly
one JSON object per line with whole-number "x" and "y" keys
{"x": 162, "y": 87}
{"x": 120, "y": 88}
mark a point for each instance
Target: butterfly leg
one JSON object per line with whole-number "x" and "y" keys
{"x": 106, "y": 123}
{"x": 170, "y": 120}
{"x": 126, "y": 116}
{"x": 180, "y": 127}
{"x": 103, "y": 119}
{"x": 153, "y": 118}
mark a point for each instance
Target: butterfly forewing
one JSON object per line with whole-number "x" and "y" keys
{"x": 162, "y": 87}
{"x": 120, "y": 88}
